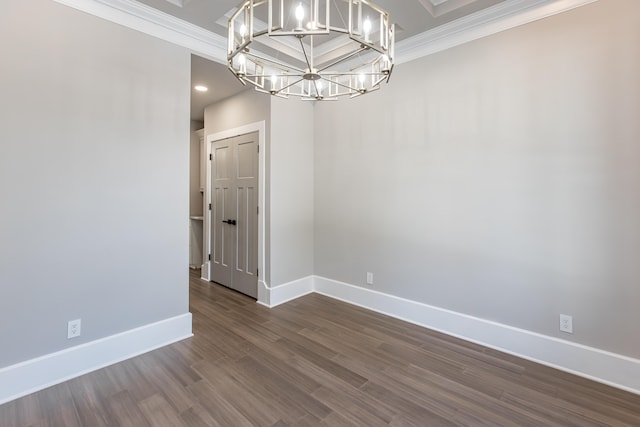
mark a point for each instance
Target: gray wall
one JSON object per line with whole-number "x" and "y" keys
{"x": 244, "y": 108}
{"x": 94, "y": 157}
{"x": 498, "y": 179}
{"x": 195, "y": 196}
{"x": 291, "y": 178}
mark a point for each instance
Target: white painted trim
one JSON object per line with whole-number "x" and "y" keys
{"x": 259, "y": 127}
{"x": 264, "y": 294}
{"x": 501, "y": 17}
{"x": 36, "y": 374}
{"x": 599, "y": 365}
{"x": 146, "y": 19}
{"x": 289, "y": 291}
{"x": 179, "y": 3}
{"x": 609, "y": 368}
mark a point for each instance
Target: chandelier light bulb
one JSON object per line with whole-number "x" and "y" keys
{"x": 319, "y": 87}
{"x": 361, "y": 79}
{"x": 243, "y": 32}
{"x": 299, "y": 14}
{"x": 366, "y": 27}
{"x": 242, "y": 65}
{"x": 385, "y": 64}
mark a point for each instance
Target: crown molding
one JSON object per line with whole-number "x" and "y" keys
{"x": 179, "y": 3}
{"x": 440, "y": 7}
{"x": 143, "y": 18}
{"x": 501, "y": 17}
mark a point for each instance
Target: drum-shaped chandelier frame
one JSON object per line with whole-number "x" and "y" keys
{"x": 311, "y": 49}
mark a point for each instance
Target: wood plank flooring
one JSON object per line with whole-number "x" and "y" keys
{"x": 319, "y": 362}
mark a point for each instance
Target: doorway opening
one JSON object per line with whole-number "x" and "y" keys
{"x": 234, "y": 214}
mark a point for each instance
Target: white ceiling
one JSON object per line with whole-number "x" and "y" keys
{"x": 412, "y": 16}
{"x": 422, "y": 27}
{"x": 221, "y": 83}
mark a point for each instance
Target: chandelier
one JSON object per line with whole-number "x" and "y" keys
{"x": 312, "y": 49}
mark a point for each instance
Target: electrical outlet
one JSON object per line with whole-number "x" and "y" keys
{"x": 73, "y": 328}
{"x": 566, "y": 323}
{"x": 369, "y": 278}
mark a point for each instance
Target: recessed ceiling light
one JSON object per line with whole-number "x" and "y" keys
{"x": 201, "y": 88}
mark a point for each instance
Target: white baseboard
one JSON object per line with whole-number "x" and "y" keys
{"x": 36, "y": 374}
{"x": 264, "y": 294}
{"x": 204, "y": 271}
{"x": 277, "y": 295}
{"x": 599, "y": 365}
{"x": 609, "y": 368}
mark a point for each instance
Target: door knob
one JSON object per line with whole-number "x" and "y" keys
{"x": 230, "y": 221}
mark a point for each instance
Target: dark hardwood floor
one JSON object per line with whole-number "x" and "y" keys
{"x": 316, "y": 361}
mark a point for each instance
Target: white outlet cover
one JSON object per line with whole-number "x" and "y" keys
{"x": 74, "y": 328}
{"x": 369, "y": 278}
{"x": 566, "y": 323}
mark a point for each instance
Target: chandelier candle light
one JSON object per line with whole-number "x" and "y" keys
{"x": 312, "y": 49}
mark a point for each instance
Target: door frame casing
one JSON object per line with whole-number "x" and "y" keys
{"x": 259, "y": 127}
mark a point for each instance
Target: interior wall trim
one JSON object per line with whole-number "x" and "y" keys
{"x": 36, "y": 374}
{"x": 264, "y": 293}
{"x": 503, "y": 16}
{"x": 150, "y": 21}
{"x": 287, "y": 291}
{"x": 599, "y": 365}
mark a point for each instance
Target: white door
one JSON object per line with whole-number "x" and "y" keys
{"x": 234, "y": 213}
